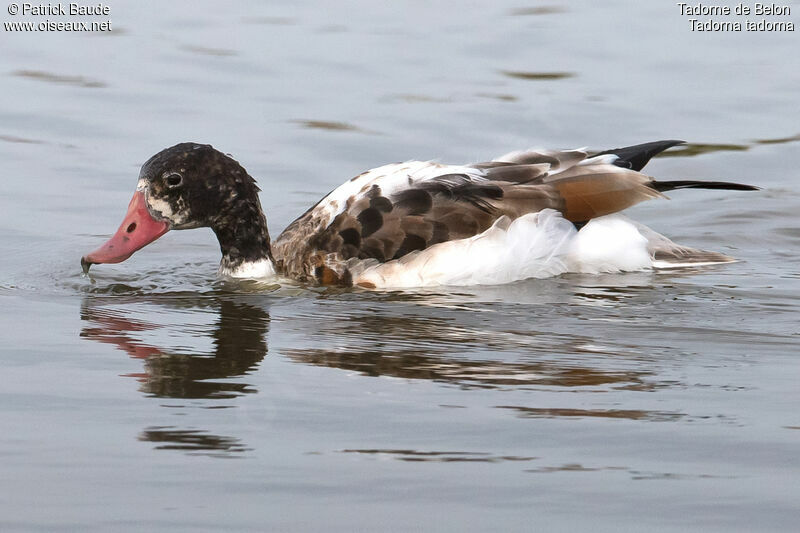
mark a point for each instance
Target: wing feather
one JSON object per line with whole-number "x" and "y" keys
{"x": 386, "y": 213}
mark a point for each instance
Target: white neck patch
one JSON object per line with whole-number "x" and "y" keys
{"x": 261, "y": 269}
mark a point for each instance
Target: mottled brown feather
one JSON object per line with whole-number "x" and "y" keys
{"x": 380, "y": 228}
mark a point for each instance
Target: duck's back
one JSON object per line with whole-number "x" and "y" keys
{"x": 423, "y": 223}
{"x": 385, "y": 214}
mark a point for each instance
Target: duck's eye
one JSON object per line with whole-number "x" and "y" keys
{"x": 174, "y": 180}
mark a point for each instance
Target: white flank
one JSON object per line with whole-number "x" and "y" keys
{"x": 537, "y": 245}
{"x": 261, "y": 269}
{"x": 532, "y": 246}
{"x": 609, "y": 244}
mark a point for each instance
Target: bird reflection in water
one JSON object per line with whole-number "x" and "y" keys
{"x": 455, "y": 347}
{"x": 519, "y": 337}
{"x": 238, "y": 344}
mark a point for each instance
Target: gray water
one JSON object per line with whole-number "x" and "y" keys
{"x": 153, "y": 396}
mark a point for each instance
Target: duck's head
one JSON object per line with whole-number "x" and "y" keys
{"x": 188, "y": 186}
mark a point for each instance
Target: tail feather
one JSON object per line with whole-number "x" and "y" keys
{"x": 636, "y": 157}
{"x": 667, "y": 254}
{"x": 683, "y": 256}
{"x": 662, "y": 186}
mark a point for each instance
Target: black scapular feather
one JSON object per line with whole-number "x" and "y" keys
{"x": 636, "y": 157}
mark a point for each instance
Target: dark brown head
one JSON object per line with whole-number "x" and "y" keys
{"x": 188, "y": 186}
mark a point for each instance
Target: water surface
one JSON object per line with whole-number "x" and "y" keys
{"x": 153, "y": 395}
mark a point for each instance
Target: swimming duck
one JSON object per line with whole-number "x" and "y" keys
{"x": 527, "y": 214}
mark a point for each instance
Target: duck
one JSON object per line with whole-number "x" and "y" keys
{"x": 527, "y": 214}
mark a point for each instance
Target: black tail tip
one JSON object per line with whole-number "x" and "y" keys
{"x": 636, "y": 157}
{"x": 663, "y": 186}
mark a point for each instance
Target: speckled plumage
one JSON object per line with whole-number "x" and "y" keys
{"x": 386, "y": 213}
{"x": 425, "y": 223}
{"x": 216, "y": 192}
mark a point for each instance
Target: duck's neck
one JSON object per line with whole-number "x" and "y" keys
{"x": 244, "y": 242}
